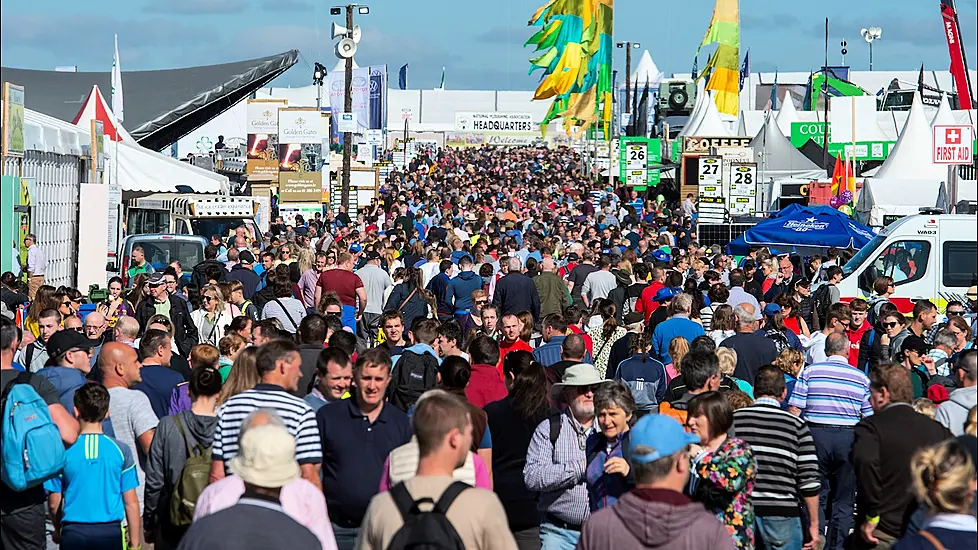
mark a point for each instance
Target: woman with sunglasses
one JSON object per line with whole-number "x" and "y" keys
{"x": 115, "y": 305}
{"x": 882, "y": 342}
{"x": 471, "y": 322}
{"x": 211, "y": 319}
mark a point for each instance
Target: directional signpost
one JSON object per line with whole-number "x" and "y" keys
{"x": 639, "y": 159}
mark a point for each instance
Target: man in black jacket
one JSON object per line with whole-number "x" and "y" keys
{"x": 244, "y": 272}
{"x": 184, "y": 330}
{"x": 882, "y": 447}
{"x": 516, "y": 293}
{"x": 199, "y": 276}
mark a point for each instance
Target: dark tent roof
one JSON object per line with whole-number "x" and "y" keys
{"x": 815, "y": 153}
{"x": 161, "y": 106}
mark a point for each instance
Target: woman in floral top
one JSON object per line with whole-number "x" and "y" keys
{"x": 723, "y": 468}
{"x": 604, "y": 335}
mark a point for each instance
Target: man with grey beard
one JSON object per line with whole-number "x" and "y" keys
{"x": 556, "y": 462}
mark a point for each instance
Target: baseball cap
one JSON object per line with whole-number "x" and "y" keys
{"x": 663, "y": 434}
{"x": 373, "y": 255}
{"x": 355, "y": 247}
{"x": 771, "y": 309}
{"x": 914, "y": 343}
{"x": 573, "y": 257}
{"x": 155, "y": 279}
{"x": 63, "y": 341}
{"x": 938, "y": 394}
{"x": 246, "y": 257}
{"x": 634, "y": 317}
{"x": 661, "y": 256}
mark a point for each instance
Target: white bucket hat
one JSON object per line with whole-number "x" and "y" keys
{"x": 266, "y": 457}
{"x": 581, "y": 374}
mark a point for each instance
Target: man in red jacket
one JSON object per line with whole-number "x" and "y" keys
{"x": 512, "y": 327}
{"x": 485, "y": 385}
{"x": 647, "y": 303}
{"x": 858, "y": 327}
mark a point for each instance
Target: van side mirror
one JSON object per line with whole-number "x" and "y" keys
{"x": 110, "y": 266}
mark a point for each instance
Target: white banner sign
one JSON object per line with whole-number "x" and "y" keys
{"x": 346, "y": 122}
{"x": 300, "y": 126}
{"x": 636, "y": 163}
{"x": 361, "y": 95}
{"x": 952, "y": 144}
{"x": 500, "y": 123}
{"x": 263, "y": 115}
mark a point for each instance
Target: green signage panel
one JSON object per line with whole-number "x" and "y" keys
{"x": 636, "y": 158}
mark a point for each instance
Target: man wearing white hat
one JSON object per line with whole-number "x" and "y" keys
{"x": 556, "y": 461}
{"x": 266, "y": 463}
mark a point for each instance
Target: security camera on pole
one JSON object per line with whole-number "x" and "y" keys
{"x": 346, "y": 48}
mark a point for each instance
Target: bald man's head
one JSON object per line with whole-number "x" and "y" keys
{"x": 120, "y": 365}
{"x": 548, "y": 265}
{"x": 126, "y": 328}
{"x": 573, "y": 348}
{"x": 95, "y": 325}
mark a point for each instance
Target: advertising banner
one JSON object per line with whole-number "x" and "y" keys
{"x": 801, "y": 132}
{"x": 361, "y": 95}
{"x": 300, "y": 153}
{"x": 13, "y": 120}
{"x": 378, "y": 96}
{"x": 97, "y": 131}
{"x": 495, "y": 122}
{"x": 262, "y": 128}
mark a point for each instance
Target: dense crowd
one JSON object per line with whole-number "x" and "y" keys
{"x": 497, "y": 353}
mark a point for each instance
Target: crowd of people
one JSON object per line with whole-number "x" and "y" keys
{"x": 497, "y": 353}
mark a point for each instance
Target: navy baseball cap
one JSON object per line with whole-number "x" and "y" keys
{"x": 663, "y": 434}
{"x": 665, "y": 293}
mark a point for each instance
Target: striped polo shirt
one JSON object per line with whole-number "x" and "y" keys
{"x": 297, "y": 415}
{"x": 832, "y": 393}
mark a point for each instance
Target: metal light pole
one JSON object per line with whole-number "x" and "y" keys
{"x": 628, "y": 70}
{"x": 318, "y": 75}
{"x": 870, "y": 35}
{"x": 351, "y": 33}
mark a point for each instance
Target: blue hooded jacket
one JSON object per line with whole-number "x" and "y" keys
{"x": 460, "y": 289}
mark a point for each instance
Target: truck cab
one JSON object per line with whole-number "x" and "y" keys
{"x": 929, "y": 256}
{"x": 203, "y": 215}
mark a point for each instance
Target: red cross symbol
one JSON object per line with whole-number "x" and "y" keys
{"x": 952, "y": 136}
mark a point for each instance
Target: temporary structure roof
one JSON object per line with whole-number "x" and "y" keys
{"x": 787, "y": 115}
{"x": 897, "y": 197}
{"x": 944, "y": 114}
{"x": 775, "y": 156}
{"x": 141, "y": 169}
{"x": 95, "y": 108}
{"x": 911, "y": 156}
{"x": 709, "y": 123}
{"x": 170, "y": 103}
{"x": 646, "y": 71}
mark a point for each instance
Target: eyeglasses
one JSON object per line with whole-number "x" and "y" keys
{"x": 77, "y": 329}
{"x": 66, "y": 303}
{"x": 846, "y": 323}
{"x": 955, "y": 313}
{"x": 891, "y": 324}
{"x": 208, "y": 298}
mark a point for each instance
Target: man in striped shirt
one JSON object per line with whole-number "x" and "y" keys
{"x": 787, "y": 467}
{"x": 280, "y": 365}
{"x": 833, "y": 397}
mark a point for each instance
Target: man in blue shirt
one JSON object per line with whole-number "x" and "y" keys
{"x": 158, "y": 380}
{"x": 357, "y": 435}
{"x": 97, "y": 488}
{"x": 679, "y": 325}
{"x": 68, "y": 366}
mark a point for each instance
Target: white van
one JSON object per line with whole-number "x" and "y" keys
{"x": 930, "y": 256}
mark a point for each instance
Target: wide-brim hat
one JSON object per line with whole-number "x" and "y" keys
{"x": 581, "y": 374}
{"x": 266, "y": 457}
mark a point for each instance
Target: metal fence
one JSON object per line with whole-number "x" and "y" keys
{"x": 709, "y": 234}
{"x": 54, "y": 211}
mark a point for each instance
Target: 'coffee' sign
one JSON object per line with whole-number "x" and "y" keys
{"x": 706, "y": 144}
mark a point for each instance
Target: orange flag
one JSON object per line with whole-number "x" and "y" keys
{"x": 839, "y": 175}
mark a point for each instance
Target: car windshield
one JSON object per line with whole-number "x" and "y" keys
{"x": 865, "y": 252}
{"x": 159, "y": 253}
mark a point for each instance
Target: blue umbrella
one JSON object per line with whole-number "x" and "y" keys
{"x": 802, "y": 228}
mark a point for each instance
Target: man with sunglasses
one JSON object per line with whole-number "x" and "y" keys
{"x": 68, "y": 366}
{"x": 838, "y": 319}
{"x": 160, "y": 302}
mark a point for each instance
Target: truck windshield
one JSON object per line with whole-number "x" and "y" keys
{"x": 208, "y": 227}
{"x": 868, "y": 251}
{"x": 160, "y": 252}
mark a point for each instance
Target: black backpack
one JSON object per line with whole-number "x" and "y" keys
{"x": 414, "y": 374}
{"x": 820, "y": 305}
{"x": 429, "y": 530}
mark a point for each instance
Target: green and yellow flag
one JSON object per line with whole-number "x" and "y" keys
{"x": 725, "y": 62}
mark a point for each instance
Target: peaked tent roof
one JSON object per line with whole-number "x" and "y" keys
{"x": 646, "y": 70}
{"x": 710, "y": 124}
{"x": 163, "y": 105}
{"x": 95, "y": 108}
{"x": 787, "y": 115}
{"x": 699, "y": 108}
{"x": 776, "y": 157}
{"x": 911, "y": 158}
{"x": 944, "y": 114}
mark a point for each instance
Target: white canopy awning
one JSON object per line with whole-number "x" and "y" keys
{"x": 787, "y": 115}
{"x": 910, "y": 158}
{"x": 141, "y": 169}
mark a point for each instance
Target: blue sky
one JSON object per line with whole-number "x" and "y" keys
{"x": 479, "y": 43}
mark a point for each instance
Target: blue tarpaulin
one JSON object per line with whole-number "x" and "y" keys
{"x": 803, "y": 228}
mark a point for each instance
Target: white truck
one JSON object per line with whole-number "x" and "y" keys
{"x": 930, "y": 257}
{"x": 181, "y": 214}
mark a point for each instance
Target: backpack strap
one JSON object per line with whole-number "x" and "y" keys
{"x": 21, "y": 378}
{"x": 931, "y": 539}
{"x": 448, "y": 497}
{"x": 555, "y": 425}
{"x": 403, "y": 500}
{"x": 191, "y": 450}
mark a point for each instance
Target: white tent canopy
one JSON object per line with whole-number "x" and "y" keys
{"x": 141, "y": 169}
{"x": 897, "y": 197}
{"x": 646, "y": 71}
{"x": 944, "y": 114}
{"x": 709, "y": 122}
{"x": 911, "y": 156}
{"x": 699, "y": 109}
{"x": 786, "y": 116}
{"x": 776, "y": 158}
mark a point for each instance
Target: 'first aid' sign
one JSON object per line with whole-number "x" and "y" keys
{"x": 952, "y": 144}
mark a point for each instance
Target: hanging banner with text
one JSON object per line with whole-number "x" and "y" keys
{"x": 300, "y": 153}
{"x": 262, "y": 128}
{"x": 360, "y": 94}
{"x": 495, "y": 123}
{"x": 638, "y": 161}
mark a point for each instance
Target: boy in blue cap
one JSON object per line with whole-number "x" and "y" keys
{"x": 656, "y": 513}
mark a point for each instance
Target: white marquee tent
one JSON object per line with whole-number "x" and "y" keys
{"x": 910, "y": 158}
